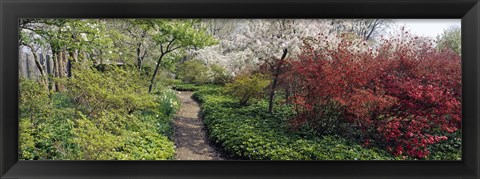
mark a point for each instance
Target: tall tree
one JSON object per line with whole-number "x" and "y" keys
{"x": 367, "y": 29}
{"x": 67, "y": 38}
{"x": 451, "y": 38}
{"x": 175, "y": 34}
{"x": 139, "y": 40}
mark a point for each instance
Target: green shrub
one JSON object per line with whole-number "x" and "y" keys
{"x": 186, "y": 87}
{"x": 166, "y": 83}
{"x": 27, "y": 140}
{"x": 118, "y": 137}
{"x": 194, "y": 87}
{"x": 33, "y": 98}
{"x": 246, "y": 87}
{"x": 102, "y": 115}
{"x": 148, "y": 145}
{"x": 44, "y": 130}
{"x": 96, "y": 139}
{"x": 114, "y": 88}
{"x": 219, "y": 75}
{"x": 193, "y": 71}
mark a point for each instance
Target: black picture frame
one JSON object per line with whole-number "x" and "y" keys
{"x": 12, "y": 10}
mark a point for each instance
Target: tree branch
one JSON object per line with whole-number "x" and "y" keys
{"x": 174, "y": 49}
{"x": 170, "y": 43}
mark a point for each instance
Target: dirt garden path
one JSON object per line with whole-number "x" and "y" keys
{"x": 190, "y": 138}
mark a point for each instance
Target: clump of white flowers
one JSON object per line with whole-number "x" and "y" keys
{"x": 168, "y": 97}
{"x": 249, "y": 42}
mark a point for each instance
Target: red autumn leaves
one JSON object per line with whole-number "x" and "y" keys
{"x": 405, "y": 95}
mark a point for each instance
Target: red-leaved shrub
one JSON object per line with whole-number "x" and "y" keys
{"x": 404, "y": 94}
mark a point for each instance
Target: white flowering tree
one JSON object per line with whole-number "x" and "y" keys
{"x": 245, "y": 43}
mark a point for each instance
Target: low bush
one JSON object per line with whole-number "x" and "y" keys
{"x": 194, "y": 87}
{"x": 403, "y": 96}
{"x": 118, "y": 137}
{"x": 193, "y": 71}
{"x": 44, "y": 130}
{"x": 186, "y": 87}
{"x": 246, "y": 87}
{"x": 219, "y": 75}
{"x": 106, "y": 115}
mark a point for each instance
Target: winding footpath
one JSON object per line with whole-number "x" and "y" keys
{"x": 190, "y": 139}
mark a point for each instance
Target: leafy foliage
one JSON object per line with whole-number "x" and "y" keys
{"x": 252, "y": 133}
{"x": 114, "y": 88}
{"x": 451, "y": 39}
{"x": 343, "y": 97}
{"x": 246, "y": 87}
{"x": 118, "y": 137}
{"x": 193, "y": 71}
{"x": 103, "y": 116}
{"x": 186, "y": 87}
{"x": 404, "y": 96}
{"x": 168, "y": 102}
{"x": 172, "y": 35}
{"x": 219, "y": 75}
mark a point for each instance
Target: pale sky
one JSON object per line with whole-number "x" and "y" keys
{"x": 427, "y": 27}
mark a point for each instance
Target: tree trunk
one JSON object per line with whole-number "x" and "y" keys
{"x": 61, "y": 66}
{"x": 37, "y": 61}
{"x": 69, "y": 68}
{"x": 139, "y": 46}
{"x": 27, "y": 65}
{"x": 287, "y": 94}
{"x": 50, "y": 71}
{"x": 55, "y": 68}
{"x": 152, "y": 81}
{"x": 64, "y": 63}
{"x": 73, "y": 58}
{"x": 48, "y": 65}
{"x": 60, "y": 70}
{"x": 139, "y": 58}
{"x": 275, "y": 81}
{"x": 272, "y": 95}
{"x": 43, "y": 79}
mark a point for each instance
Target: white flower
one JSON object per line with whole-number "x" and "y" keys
{"x": 84, "y": 36}
{"x": 247, "y": 42}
